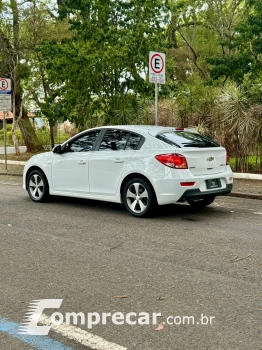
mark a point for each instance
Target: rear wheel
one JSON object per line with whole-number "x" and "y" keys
{"x": 139, "y": 198}
{"x": 201, "y": 202}
{"x": 37, "y": 186}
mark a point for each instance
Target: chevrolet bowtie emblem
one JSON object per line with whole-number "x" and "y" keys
{"x": 210, "y": 159}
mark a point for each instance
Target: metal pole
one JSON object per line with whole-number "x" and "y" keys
{"x": 4, "y": 125}
{"x": 156, "y": 103}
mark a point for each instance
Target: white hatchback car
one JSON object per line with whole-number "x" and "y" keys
{"x": 140, "y": 166}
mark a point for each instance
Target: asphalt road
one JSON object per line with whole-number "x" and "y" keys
{"x": 11, "y": 150}
{"x": 183, "y": 262}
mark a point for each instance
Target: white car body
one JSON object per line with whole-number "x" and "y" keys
{"x": 100, "y": 174}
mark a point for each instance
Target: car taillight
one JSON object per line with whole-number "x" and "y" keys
{"x": 227, "y": 159}
{"x": 173, "y": 160}
{"x": 185, "y": 184}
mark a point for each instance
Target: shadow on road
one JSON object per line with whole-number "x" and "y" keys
{"x": 182, "y": 211}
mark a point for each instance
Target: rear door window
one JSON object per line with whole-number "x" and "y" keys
{"x": 183, "y": 139}
{"x": 133, "y": 141}
{"x": 119, "y": 140}
{"x": 114, "y": 140}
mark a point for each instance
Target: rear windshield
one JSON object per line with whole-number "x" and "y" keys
{"x": 186, "y": 139}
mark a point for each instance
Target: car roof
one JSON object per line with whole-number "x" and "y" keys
{"x": 149, "y": 129}
{"x": 152, "y": 129}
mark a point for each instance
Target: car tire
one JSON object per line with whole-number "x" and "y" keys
{"x": 37, "y": 186}
{"x": 201, "y": 202}
{"x": 139, "y": 198}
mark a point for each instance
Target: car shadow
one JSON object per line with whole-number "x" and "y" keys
{"x": 181, "y": 210}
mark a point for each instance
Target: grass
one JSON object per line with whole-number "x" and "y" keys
{"x": 253, "y": 164}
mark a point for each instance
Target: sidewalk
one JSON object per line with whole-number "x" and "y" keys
{"x": 242, "y": 188}
{"x": 16, "y": 170}
{"x": 251, "y": 189}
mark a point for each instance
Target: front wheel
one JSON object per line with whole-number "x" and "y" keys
{"x": 201, "y": 202}
{"x": 37, "y": 186}
{"x": 139, "y": 198}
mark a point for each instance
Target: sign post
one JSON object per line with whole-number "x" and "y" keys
{"x": 156, "y": 104}
{"x": 4, "y": 126}
{"x": 157, "y": 74}
{"x": 5, "y": 106}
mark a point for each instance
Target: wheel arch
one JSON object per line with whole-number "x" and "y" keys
{"x": 34, "y": 167}
{"x": 132, "y": 176}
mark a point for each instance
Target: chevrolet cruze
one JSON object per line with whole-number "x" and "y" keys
{"x": 139, "y": 166}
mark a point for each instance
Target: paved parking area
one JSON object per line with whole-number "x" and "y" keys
{"x": 181, "y": 263}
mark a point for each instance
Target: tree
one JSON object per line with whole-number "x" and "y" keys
{"x": 203, "y": 31}
{"x": 37, "y": 85}
{"x": 11, "y": 54}
{"x": 100, "y": 71}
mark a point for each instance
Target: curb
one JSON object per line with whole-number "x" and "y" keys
{"x": 245, "y": 195}
{"x": 12, "y": 162}
{"x": 6, "y": 174}
{"x": 247, "y": 176}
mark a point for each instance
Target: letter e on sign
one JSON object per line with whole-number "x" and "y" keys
{"x": 5, "y": 85}
{"x": 157, "y": 67}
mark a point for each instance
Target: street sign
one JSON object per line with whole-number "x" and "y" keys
{"x": 157, "y": 74}
{"x": 5, "y": 86}
{"x": 5, "y": 103}
{"x": 5, "y": 95}
{"x": 157, "y": 67}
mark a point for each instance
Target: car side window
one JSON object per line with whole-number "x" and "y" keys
{"x": 84, "y": 143}
{"x": 114, "y": 140}
{"x": 133, "y": 141}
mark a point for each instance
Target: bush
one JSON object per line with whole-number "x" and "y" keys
{"x": 63, "y": 136}
{"x": 253, "y": 164}
{"x": 43, "y": 136}
{"x": 9, "y": 139}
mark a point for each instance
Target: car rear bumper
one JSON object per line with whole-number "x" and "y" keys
{"x": 170, "y": 190}
{"x": 197, "y": 194}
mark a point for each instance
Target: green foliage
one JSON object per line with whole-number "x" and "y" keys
{"x": 253, "y": 164}
{"x": 87, "y": 61}
{"x": 99, "y": 70}
{"x": 242, "y": 49}
{"x": 43, "y": 136}
{"x": 9, "y": 140}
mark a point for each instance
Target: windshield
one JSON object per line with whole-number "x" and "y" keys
{"x": 186, "y": 139}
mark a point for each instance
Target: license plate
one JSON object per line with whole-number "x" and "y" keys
{"x": 213, "y": 183}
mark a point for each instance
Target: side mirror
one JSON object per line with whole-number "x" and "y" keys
{"x": 57, "y": 149}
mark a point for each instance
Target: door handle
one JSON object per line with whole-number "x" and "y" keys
{"x": 119, "y": 160}
{"x": 81, "y": 162}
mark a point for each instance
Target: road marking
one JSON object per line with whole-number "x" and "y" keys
{"x": 39, "y": 342}
{"x": 258, "y": 213}
{"x": 81, "y": 336}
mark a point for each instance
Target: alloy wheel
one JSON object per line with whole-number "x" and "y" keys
{"x": 36, "y": 186}
{"x": 137, "y": 198}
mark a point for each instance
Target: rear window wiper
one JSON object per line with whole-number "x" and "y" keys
{"x": 195, "y": 144}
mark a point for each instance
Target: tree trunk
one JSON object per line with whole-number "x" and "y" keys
{"x": 15, "y": 141}
{"x": 51, "y": 130}
{"x": 29, "y": 134}
{"x": 26, "y": 127}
